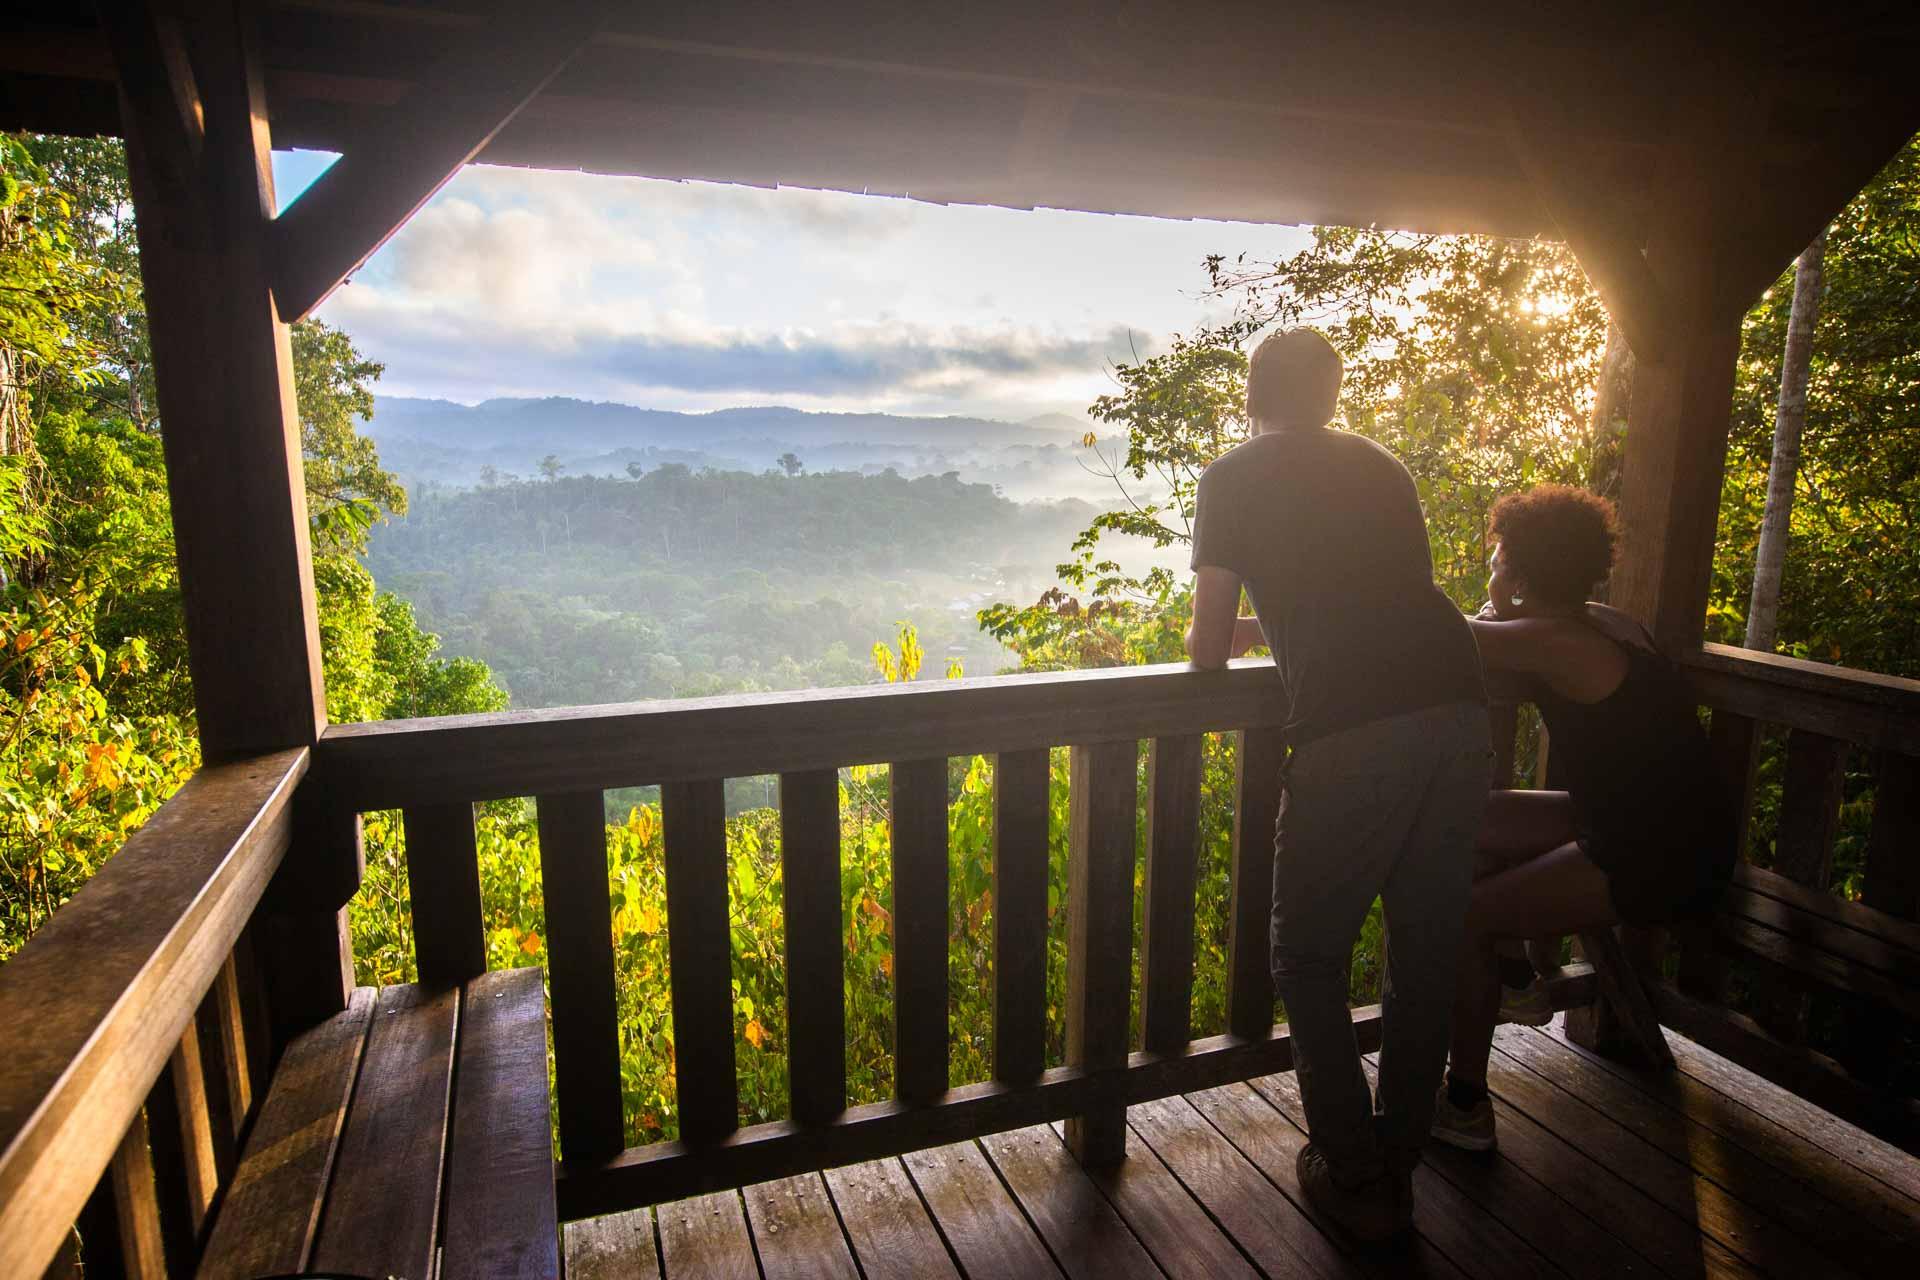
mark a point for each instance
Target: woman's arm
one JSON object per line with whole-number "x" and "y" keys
{"x": 1526, "y": 645}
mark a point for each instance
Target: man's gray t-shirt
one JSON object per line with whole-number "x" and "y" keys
{"x": 1325, "y": 529}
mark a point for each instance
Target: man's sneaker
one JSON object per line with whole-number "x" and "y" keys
{"x": 1526, "y": 1005}
{"x": 1372, "y": 1213}
{"x": 1469, "y": 1128}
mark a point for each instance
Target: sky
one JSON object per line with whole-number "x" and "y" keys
{"x": 693, "y": 296}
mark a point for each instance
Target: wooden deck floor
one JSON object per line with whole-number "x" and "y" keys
{"x": 1602, "y": 1172}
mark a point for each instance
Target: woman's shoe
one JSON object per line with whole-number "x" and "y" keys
{"x": 1469, "y": 1128}
{"x": 1528, "y": 1005}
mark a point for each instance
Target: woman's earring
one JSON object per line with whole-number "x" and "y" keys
{"x": 1516, "y": 601}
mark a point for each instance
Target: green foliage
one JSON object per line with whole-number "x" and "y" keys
{"x": 682, "y": 583}
{"x": 96, "y": 701}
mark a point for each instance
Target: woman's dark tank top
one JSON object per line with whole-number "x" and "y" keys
{"x": 1640, "y": 744}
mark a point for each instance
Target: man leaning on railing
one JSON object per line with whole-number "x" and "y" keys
{"x": 1389, "y": 768}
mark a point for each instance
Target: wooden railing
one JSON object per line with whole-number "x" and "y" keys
{"x": 136, "y": 1036}
{"x": 436, "y": 770}
{"x": 123, "y": 1102}
{"x": 1781, "y": 929}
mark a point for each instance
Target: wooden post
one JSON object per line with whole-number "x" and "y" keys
{"x": 1676, "y": 445}
{"x": 199, "y": 162}
{"x": 225, "y": 381}
{"x": 1102, "y": 799}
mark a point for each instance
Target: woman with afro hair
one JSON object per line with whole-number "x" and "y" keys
{"x": 1643, "y": 832}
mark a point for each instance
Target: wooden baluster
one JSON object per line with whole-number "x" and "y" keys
{"x": 700, "y": 958}
{"x": 443, "y": 879}
{"x": 586, "y": 1029}
{"x": 816, "y": 974}
{"x": 918, "y": 811}
{"x": 1893, "y": 886}
{"x": 256, "y": 1019}
{"x": 224, "y": 1009}
{"x": 1021, "y": 804}
{"x": 137, "y": 1206}
{"x": 1166, "y": 936}
{"x": 1803, "y": 852}
{"x": 180, "y": 1141}
{"x": 1103, "y": 795}
{"x": 1734, "y": 742}
{"x": 1256, "y": 814}
{"x": 1893, "y": 850}
{"x": 216, "y": 1088}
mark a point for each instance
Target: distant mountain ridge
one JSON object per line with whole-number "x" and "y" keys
{"x": 446, "y": 443}
{"x": 564, "y": 421}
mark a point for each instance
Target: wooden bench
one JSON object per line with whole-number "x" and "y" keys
{"x": 1787, "y": 934}
{"x": 408, "y": 1136}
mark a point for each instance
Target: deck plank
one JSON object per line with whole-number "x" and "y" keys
{"x": 796, "y": 1232}
{"x": 1674, "y": 1246}
{"x": 1253, "y": 1212}
{"x": 1770, "y": 1189}
{"x": 1839, "y": 1180}
{"x": 705, "y": 1238}
{"x": 1087, "y": 1237}
{"x": 1701, "y": 1204}
{"x": 982, "y": 1226}
{"x": 384, "y": 1202}
{"x": 1856, "y": 1146}
{"x": 617, "y": 1247}
{"x": 1496, "y": 1186}
{"x": 1270, "y": 1141}
{"x": 267, "y": 1222}
{"x": 500, "y": 1194}
{"x": 1475, "y": 1242}
{"x": 1174, "y": 1227}
{"x": 888, "y": 1227}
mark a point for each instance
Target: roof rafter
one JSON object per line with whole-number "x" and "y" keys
{"x": 442, "y": 122}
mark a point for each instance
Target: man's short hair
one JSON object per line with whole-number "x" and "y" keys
{"x": 1293, "y": 381}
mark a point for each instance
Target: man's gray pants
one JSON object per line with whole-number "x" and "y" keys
{"x": 1389, "y": 809}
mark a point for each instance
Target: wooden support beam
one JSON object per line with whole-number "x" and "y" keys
{"x": 1683, "y": 392}
{"x": 478, "y": 86}
{"x": 157, "y": 87}
{"x": 1595, "y": 211}
{"x": 225, "y": 374}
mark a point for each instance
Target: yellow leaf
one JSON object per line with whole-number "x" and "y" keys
{"x": 531, "y": 943}
{"x": 756, "y": 1033}
{"x": 649, "y": 920}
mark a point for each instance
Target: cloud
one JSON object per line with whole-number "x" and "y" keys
{"x": 472, "y": 354}
{"x": 690, "y": 295}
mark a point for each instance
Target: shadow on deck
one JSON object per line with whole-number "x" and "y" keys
{"x": 1602, "y": 1171}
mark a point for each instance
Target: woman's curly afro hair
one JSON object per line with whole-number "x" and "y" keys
{"x": 1557, "y": 539}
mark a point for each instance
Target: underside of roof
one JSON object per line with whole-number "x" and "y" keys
{"x": 1389, "y": 113}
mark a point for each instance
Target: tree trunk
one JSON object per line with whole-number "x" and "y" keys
{"x": 1789, "y": 420}
{"x": 1607, "y": 424}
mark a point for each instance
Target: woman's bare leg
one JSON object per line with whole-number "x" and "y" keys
{"x": 1519, "y": 826}
{"x": 1561, "y": 891}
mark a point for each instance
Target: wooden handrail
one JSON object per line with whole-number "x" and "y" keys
{"x": 395, "y": 763}
{"x": 1875, "y": 711}
{"x": 96, "y": 1002}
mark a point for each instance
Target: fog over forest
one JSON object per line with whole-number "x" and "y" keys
{"x": 601, "y": 552}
